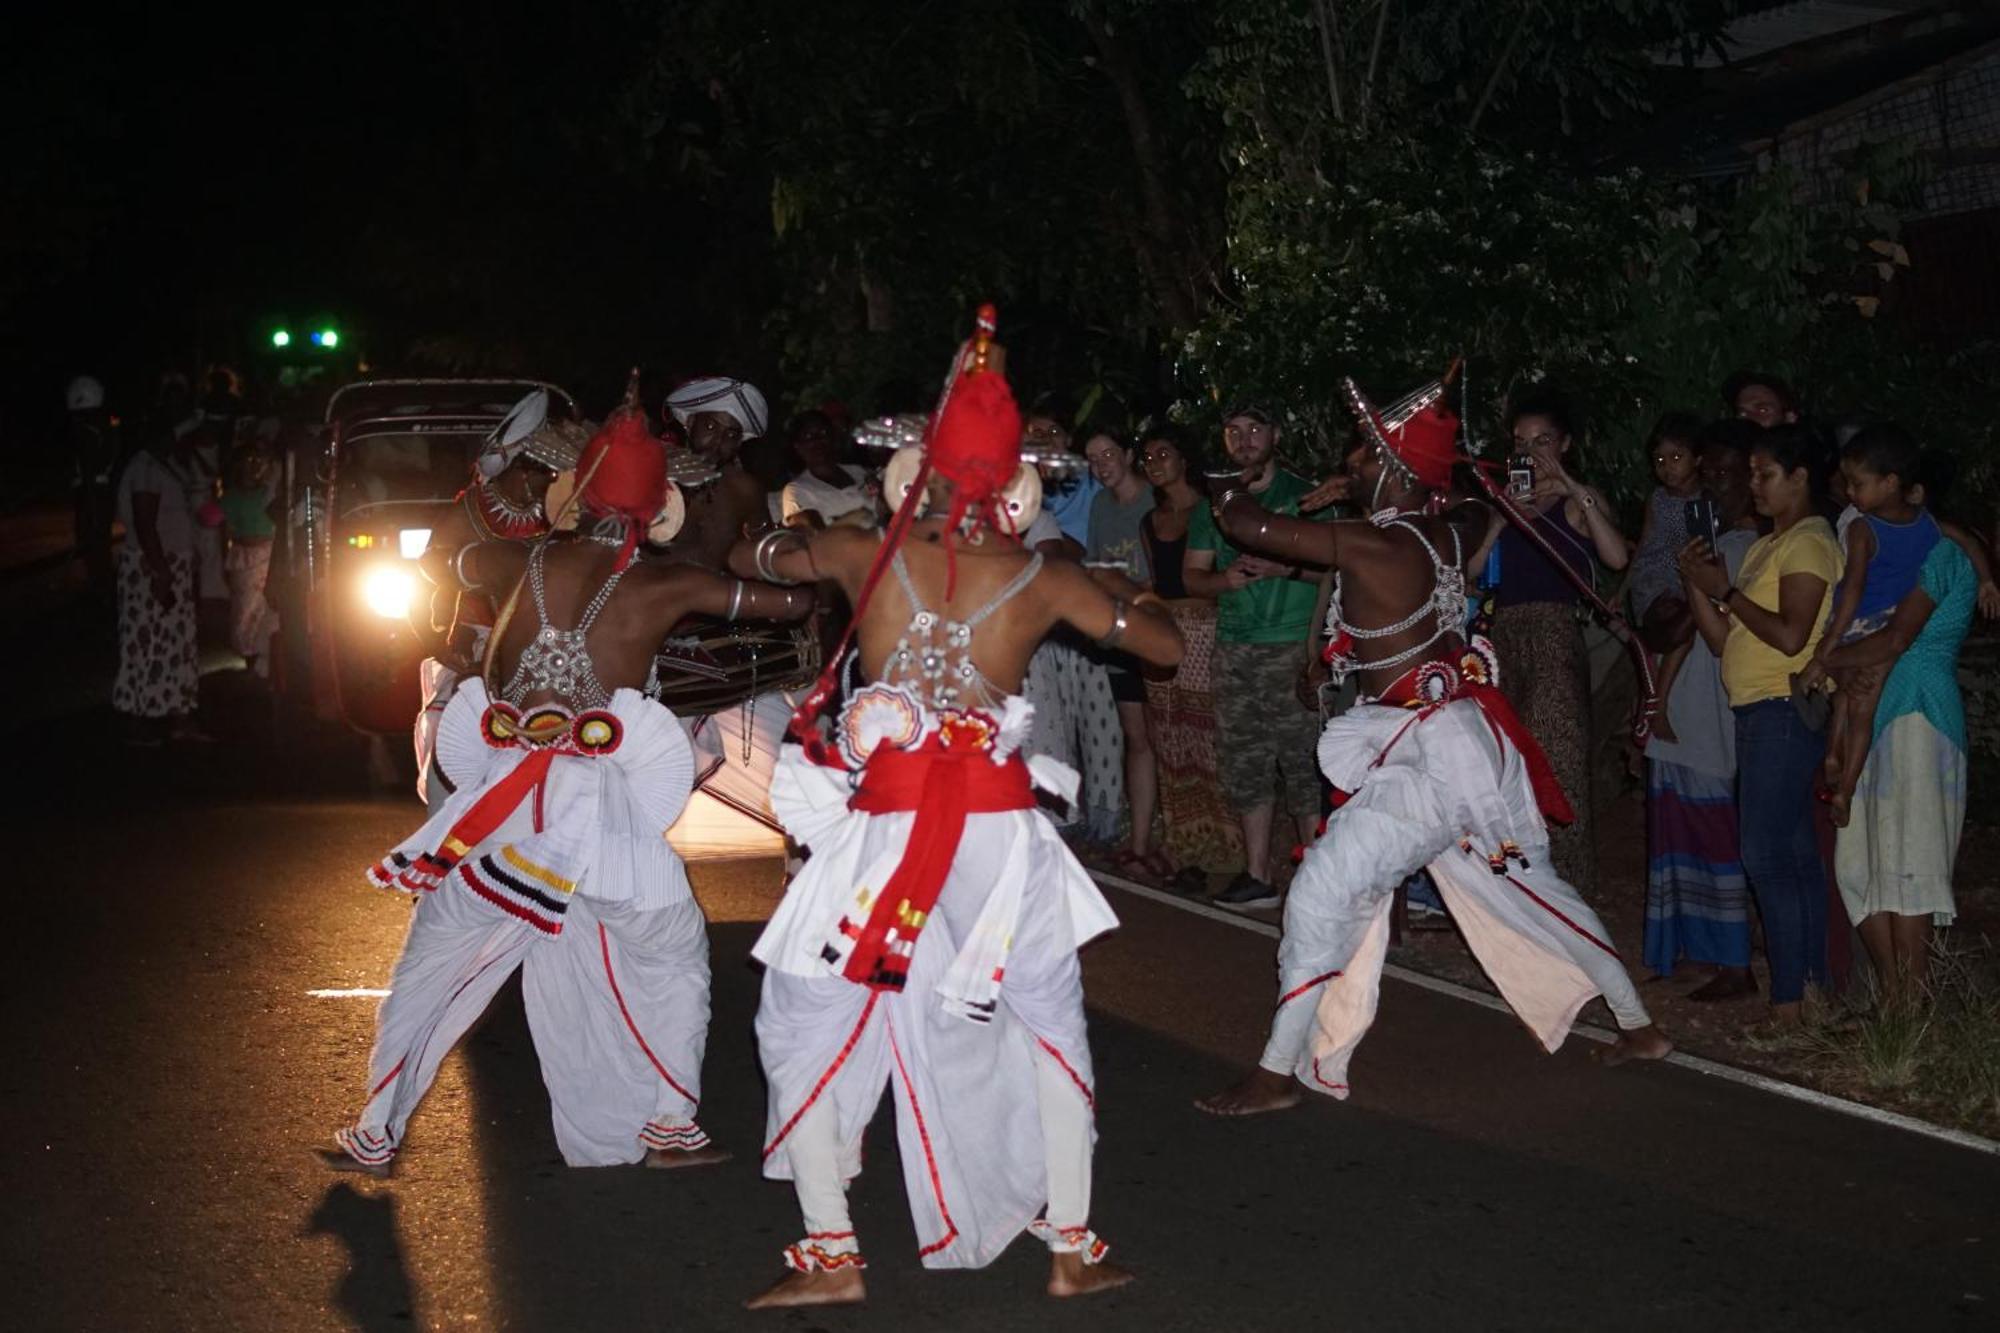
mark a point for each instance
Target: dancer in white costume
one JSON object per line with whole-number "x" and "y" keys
{"x": 929, "y": 943}
{"x": 504, "y": 501}
{"x": 550, "y": 854}
{"x": 1436, "y": 771}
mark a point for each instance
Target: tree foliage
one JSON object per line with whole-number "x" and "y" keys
{"x": 912, "y": 162}
{"x": 1206, "y": 201}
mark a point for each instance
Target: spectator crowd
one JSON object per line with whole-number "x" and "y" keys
{"x": 1799, "y": 585}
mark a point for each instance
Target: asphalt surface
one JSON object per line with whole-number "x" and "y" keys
{"x": 172, "y": 909}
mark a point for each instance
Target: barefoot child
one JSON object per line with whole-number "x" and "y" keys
{"x": 1656, "y": 582}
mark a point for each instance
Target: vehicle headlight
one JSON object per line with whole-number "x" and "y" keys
{"x": 389, "y": 590}
{"x": 411, "y": 543}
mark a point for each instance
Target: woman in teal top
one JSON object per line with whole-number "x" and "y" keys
{"x": 1894, "y": 858}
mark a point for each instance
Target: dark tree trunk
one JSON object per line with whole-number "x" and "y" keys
{"x": 1167, "y": 265}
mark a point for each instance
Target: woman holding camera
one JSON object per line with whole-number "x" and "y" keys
{"x": 1537, "y": 625}
{"x": 1765, "y": 624}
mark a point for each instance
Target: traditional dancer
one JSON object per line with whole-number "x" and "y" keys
{"x": 1437, "y": 772}
{"x": 550, "y": 855}
{"x": 930, "y": 941}
{"x": 505, "y": 501}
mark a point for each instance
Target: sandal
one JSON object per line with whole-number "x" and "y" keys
{"x": 1160, "y": 864}
{"x": 1132, "y": 865}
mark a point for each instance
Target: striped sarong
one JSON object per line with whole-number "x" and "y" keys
{"x": 1697, "y": 899}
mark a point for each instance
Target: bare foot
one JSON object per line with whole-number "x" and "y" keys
{"x": 1646, "y": 1043}
{"x": 1786, "y": 1023}
{"x": 1258, "y": 1092}
{"x": 670, "y": 1159}
{"x": 1069, "y": 1275}
{"x": 337, "y": 1159}
{"x": 841, "y": 1287}
{"x": 1730, "y": 983}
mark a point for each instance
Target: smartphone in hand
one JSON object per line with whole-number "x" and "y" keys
{"x": 1520, "y": 478}
{"x": 1703, "y": 520}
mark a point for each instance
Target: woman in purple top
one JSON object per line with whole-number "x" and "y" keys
{"x": 1536, "y": 628}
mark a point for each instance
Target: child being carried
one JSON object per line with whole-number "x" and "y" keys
{"x": 1887, "y": 533}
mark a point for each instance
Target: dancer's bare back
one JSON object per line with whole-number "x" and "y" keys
{"x": 1062, "y": 592}
{"x": 648, "y": 602}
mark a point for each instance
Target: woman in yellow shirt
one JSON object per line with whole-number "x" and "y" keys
{"x": 1765, "y": 627}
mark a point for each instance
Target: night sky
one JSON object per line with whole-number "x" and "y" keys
{"x": 465, "y": 181}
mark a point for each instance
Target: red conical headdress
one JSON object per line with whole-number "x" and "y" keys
{"x": 974, "y": 441}
{"x": 623, "y": 470}
{"x": 1416, "y": 431}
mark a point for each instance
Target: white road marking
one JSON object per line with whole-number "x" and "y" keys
{"x": 1715, "y": 1069}
{"x": 360, "y": 993}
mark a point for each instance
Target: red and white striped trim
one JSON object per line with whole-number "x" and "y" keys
{"x": 364, "y": 1147}
{"x": 611, "y": 978}
{"x": 1069, "y": 1240}
{"x": 1339, "y": 1088}
{"x": 672, "y": 1134}
{"x": 1305, "y": 986}
{"x": 1089, "y": 1096}
{"x": 923, "y": 1137}
{"x": 825, "y": 1252}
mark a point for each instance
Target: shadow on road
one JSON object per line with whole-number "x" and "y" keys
{"x": 375, "y": 1292}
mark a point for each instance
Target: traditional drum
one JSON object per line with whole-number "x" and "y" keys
{"x": 708, "y": 665}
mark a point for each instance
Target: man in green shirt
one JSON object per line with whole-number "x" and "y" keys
{"x": 1264, "y": 638}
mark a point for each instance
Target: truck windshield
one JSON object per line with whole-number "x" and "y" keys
{"x": 414, "y": 468}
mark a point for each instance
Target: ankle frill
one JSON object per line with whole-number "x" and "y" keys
{"x": 825, "y": 1252}
{"x": 1069, "y": 1240}
{"x": 368, "y": 1148}
{"x": 670, "y": 1133}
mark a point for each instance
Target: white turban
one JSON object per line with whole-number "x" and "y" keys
{"x": 735, "y": 398}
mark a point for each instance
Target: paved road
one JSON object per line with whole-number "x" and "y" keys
{"x": 171, "y": 910}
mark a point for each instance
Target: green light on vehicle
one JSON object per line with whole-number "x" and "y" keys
{"x": 327, "y": 338}
{"x": 281, "y": 338}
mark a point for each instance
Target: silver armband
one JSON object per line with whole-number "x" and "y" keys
{"x": 765, "y": 551}
{"x": 1121, "y": 612}
{"x": 736, "y": 600}
{"x": 458, "y": 564}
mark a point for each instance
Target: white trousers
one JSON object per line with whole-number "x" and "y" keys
{"x": 1446, "y": 794}
{"x": 618, "y": 1005}
{"x": 820, "y": 1172}
{"x": 994, "y": 1121}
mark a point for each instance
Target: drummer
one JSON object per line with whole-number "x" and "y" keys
{"x": 738, "y": 747}
{"x": 719, "y": 414}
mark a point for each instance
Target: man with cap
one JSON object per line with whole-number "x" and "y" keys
{"x": 505, "y": 500}
{"x": 1263, "y": 643}
{"x": 1432, "y": 770}
{"x": 550, "y": 855}
{"x": 719, "y": 414}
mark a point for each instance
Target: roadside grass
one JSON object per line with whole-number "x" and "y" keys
{"x": 1937, "y": 1056}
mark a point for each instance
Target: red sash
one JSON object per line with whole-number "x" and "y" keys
{"x": 942, "y": 786}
